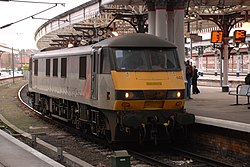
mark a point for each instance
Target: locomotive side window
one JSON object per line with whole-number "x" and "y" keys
{"x": 47, "y": 67}
{"x": 64, "y": 67}
{"x": 36, "y": 67}
{"x": 55, "y": 67}
{"x": 82, "y": 67}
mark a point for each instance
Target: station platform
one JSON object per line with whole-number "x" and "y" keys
{"x": 5, "y": 75}
{"x": 217, "y": 108}
{"x": 14, "y": 153}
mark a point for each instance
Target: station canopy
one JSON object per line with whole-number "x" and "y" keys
{"x": 118, "y": 15}
{"x": 192, "y": 2}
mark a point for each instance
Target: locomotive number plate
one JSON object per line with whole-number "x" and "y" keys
{"x": 153, "y": 104}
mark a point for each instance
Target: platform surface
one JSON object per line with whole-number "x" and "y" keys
{"x": 14, "y": 153}
{"x": 214, "y": 107}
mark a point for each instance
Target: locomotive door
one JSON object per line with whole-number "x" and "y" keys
{"x": 94, "y": 71}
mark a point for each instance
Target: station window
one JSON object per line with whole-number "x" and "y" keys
{"x": 82, "y": 67}
{"x": 64, "y": 67}
{"x": 55, "y": 67}
{"x": 47, "y": 67}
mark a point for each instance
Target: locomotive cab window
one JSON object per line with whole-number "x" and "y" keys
{"x": 140, "y": 59}
{"x": 105, "y": 62}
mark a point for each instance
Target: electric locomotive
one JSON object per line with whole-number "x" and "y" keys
{"x": 125, "y": 88}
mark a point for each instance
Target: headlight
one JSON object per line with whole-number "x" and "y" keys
{"x": 126, "y": 95}
{"x": 149, "y": 94}
{"x": 175, "y": 94}
{"x": 178, "y": 94}
{"x": 129, "y": 95}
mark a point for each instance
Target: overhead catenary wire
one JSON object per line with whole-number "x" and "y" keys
{"x": 31, "y": 16}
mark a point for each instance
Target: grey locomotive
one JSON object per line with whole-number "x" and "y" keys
{"x": 128, "y": 87}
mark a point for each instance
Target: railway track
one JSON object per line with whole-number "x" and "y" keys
{"x": 145, "y": 156}
{"x": 203, "y": 159}
{"x": 175, "y": 157}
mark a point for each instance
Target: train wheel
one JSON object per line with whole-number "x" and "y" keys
{"x": 184, "y": 132}
{"x": 155, "y": 140}
{"x": 108, "y": 136}
{"x": 31, "y": 102}
{"x": 44, "y": 106}
{"x": 85, "y": 129}
{"x": 142, "y": 134}
{"x": 43, "y": 111}
{"x": 40, "y": 107}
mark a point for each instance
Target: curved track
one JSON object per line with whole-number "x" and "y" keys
{"x": 164, "y": 156}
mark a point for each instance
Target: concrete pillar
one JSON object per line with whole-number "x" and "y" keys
{"x": 151, "y": 17}
{"x": 179, "y": 31}
{"x": 160, "y": 18}
{"x": 249, "y": 57}
{"x": 0, "y": 60}
{"x": 170, "y": 23}
{"x": 238, "y": 63}
{"x": 248, "y": 62}
{"x": 215, "y": 64}
{"x": 201, "y": 62}
{"x": 221, "y": 70}
{"x": 225, "y": 86}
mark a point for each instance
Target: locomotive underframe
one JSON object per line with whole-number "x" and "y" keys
{"x": 113, "y": 125}
{"x": 81, "y": 115}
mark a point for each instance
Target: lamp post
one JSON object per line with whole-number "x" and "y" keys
{"x": 13, "y": 65}
{"x": 237, "y": 61}
{"x": 21, "y": 61}
{"x": 200, "y": 55}
{"x": 248, "y": 57}
{"x": 216, "y": 59}
{"x": 1, "y": 52}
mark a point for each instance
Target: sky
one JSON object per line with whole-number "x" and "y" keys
{"x": 21, "y": 35}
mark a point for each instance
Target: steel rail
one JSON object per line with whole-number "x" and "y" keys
{"x": 204, "y": 159}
